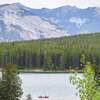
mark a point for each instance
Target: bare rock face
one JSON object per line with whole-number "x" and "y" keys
{"x": 18, "y": 23}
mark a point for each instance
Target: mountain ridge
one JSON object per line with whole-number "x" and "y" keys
{"x": 61, "y": 21}
{"x": 17, "y": 23}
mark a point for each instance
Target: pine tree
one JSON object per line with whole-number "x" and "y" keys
{"x": 10, "y": 84}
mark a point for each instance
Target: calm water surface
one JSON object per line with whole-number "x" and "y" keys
{"x": 56, "y": 86}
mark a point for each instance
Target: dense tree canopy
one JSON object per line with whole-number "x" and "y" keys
{"x": 51, "y": 54}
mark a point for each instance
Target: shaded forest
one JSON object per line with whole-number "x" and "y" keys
{"x": 52, "y": 54}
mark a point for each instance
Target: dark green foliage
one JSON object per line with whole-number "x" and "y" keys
{"x": 10, "y": 83}
{"x": 52, "y": 54}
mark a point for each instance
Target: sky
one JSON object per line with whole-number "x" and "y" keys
{"x": 54, "y": 3}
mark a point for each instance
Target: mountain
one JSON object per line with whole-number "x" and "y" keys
{"x": 72, "y": 19}
{"x": 18, "y": 23}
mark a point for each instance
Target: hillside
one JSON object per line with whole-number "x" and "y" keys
{"x": 60, "y": 53}
{"x": 18, "y": 22}
{"x": 71, "y": 18}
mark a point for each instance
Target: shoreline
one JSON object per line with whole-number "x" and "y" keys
{"x": 42, "y": 71}
{"x": 48, "y": 71}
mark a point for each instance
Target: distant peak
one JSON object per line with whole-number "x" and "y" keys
{"x": 4, "y": 5}
{"x": 17, "y": 4}
{"x": 74, "y": 7}
{"x": 12, "y": 4}
{"x": 67, "y": 7}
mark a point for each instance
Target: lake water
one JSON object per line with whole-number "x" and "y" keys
{"x": 56, "y": 86}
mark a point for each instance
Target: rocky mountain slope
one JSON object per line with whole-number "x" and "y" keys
{"x": 17, "y": 23}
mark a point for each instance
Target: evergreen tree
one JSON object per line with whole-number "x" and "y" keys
{"x": 10, "y": 83}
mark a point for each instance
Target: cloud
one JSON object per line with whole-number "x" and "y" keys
{"x": 77, "y": 21}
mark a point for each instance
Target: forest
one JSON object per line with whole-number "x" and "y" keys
{"x": 51, "y": 54}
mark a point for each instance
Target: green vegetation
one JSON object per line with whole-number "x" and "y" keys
{"x": 88, "y": 86}
{"x": 51, "y": 54}
{"x": 10, "y": 83}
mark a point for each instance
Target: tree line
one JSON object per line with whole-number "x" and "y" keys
{"x": 51, "y": 54}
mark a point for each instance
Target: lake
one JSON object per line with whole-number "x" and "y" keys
{"x": 56, "y": 86}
